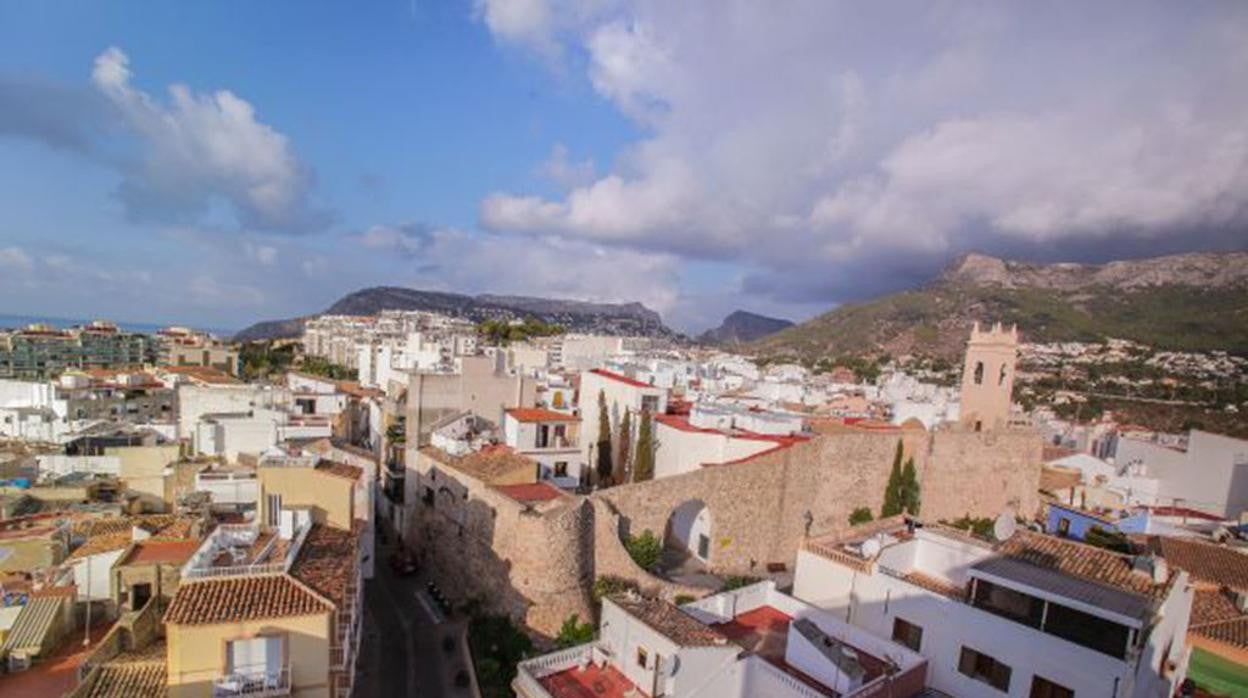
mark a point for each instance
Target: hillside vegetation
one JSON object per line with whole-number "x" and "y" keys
{"x": 1180, "y": 311}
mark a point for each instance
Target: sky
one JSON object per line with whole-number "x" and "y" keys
{"x": 216, "y": 164}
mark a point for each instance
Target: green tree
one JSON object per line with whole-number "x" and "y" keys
{"x": 860, "y": 515}
{"x": 643, "y": 462}
{"x": 893, "y": 504}
{"x": 573, "y": 632}
{"x": 624, "y": 448}
{"x": 605, "y": 465}
{"x": 910, "y": 495}
{"x": 645, "y": 549}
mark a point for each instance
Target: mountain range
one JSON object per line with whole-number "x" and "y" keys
{"x": 743, "y": 326}
{"x": 1191, "y": 301}
{"x": 577, "y": 316}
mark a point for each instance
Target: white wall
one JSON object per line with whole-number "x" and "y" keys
{"x": 873, "y": 601}
{"x": 681, "y": 451}
{"x": 64, "y": 465}
{"x": 91, "y": 575}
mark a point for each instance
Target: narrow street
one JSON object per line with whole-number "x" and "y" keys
{"x": 402, "y": 652}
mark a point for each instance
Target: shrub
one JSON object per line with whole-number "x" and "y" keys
{"x": 860, "y": 515}
{"x": 497, "y": 646}
{"x": 737, "y": 581}
{"x": 682, "y": 599}
{"x": 573, "y": 632}
{"x": 645, "y": 549}
{"x": 607, "y": 585}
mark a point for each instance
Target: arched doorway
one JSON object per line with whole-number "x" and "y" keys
{"x": 689, "y": 530}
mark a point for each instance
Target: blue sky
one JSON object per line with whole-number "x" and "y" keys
{"x": 697, "y": 157}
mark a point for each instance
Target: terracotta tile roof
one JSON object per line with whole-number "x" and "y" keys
{"x": 485, "y": 465}
{"x": 669, "y": 621}
{"x": 1213, "y": 606}
{"x": 539, "y": 414}
{"x": 1080, "y": 560}
{"x": 620, "y": 378}
{"x": 130, "y": 680}
{"x": 327, "y": 561}
{"x": 242, "y": 598}
{"x": 1231, "y": 632}
{"x": 534, "y": 492}
{"x": 350, "y": 472}
{"x": 939, "y": 586}
{"x": 1205, "y": 562}
{"x": 99, "y": 544}
{"x": 148, "y": 552}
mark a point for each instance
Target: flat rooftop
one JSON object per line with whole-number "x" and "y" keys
{"x": 589, "y": 682}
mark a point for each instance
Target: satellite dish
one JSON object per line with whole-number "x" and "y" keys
{"x": 1004, "y": 527}
{"x": 871, "y": 548}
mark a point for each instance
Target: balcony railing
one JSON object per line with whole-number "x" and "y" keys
{"x": 530, "y": 672}
{"x": 254, "y": 682}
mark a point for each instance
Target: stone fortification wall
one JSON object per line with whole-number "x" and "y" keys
{"x": 533, "y": 565}
{"x": 538, "y": 564}
{"x": 759, "y": 507}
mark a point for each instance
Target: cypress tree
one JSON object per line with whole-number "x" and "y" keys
{"x": 624, "y": 443}
{"x": 893, "y": 504}
{"x": 604, "y": 466}
{"x": 643, "y": 462}
{"x": 910, "y": 496}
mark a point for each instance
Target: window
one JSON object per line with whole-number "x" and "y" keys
{"x": 257, "y": 656}
{"x": 908, "y": 634}
{"x": 650, "y": 403}
{"x": 1044, "y": 688}
{"x": 979, "y": 373}
{"x": 1063, "y": 527}
{"x": 275, "y": 510}
{"x": 561, "y": 468}
{"x": 1084, "y": 629}
{"x": 428, "y": 496}
{"x": 642, "y": 657}
{"x": 1008, "y": 603}
{"x": 1001, "y": 377}
{"x": 981, "y": 667}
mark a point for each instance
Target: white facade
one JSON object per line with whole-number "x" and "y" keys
{"x": 684, "y": 448}
{"x": 1211, "y": 475}
{"x": 874, "y": 595}
{"x": 621, "y": 393}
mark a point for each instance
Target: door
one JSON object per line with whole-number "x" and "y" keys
{"x": 704, "y": 546}
{"x": 139, "y": 595}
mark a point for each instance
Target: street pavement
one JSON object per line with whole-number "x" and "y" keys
{"x": 402, "y": 650}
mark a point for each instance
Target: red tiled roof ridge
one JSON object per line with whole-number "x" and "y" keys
{"x": 621, "y": 378}
{"x": 539, "y": 414}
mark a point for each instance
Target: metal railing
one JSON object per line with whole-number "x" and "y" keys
{"x": 254, "y": 682}
{"x": 228, "y": 536}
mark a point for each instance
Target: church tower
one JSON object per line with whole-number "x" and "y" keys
{"x": 988, "y": 377}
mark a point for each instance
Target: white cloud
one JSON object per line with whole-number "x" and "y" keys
{"x": 203, "y": 147}
{"x": 843, "y": 139}
{"x": 467, "y": 262}
{"x": 562, "y": 170}
{"x": 15, "y": 259}
{"x": 265, "y": 255}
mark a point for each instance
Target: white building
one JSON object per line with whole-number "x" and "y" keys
{"x": 621, "y": 394}
{"x": 684, "y": 447}
{"x": 1034, "y": 615}
{"x": 550, "y": 438}
{"x": 749, "y": 642}
{"x": 1210, "y": 475}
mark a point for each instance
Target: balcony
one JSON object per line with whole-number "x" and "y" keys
{"x": 255, "y": 682}
{"x": 243, "y": 549}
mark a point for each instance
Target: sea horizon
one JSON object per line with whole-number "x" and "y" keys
{"x": 11, "y": 321}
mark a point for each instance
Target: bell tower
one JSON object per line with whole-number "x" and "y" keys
{"x": 988, "y": 377}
